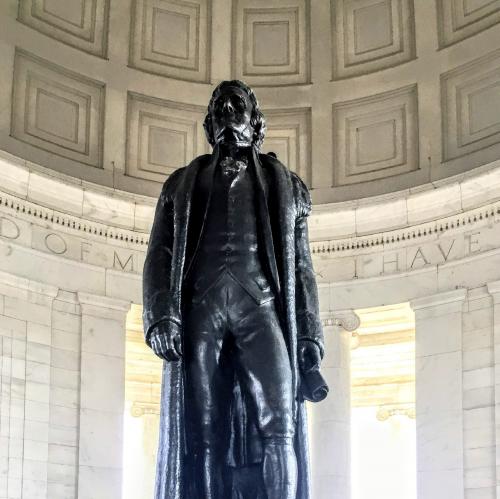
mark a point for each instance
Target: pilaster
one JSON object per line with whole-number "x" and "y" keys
{"x": 102, "y": 396}
{"x": 25, "y": 385}
{"x": 494, "y": 291}
{"x": 330, "y": 419}
{"x": 439, "y": 392}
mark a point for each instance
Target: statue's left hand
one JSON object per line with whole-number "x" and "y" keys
{"x": 309, "y": 356}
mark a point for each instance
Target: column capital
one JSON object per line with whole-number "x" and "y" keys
{"x": 28, "y": 285}
{"x": 438, "y": 299}
{"x": 494, "y": 290}
{"x": 103, "y": 301}
{"x": 103, "y": 306}
{"x": 345, "y": 319}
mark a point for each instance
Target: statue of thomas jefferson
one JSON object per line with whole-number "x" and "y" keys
{"x": 231, "y": 305}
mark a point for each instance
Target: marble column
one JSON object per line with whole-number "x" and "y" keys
{"x": 439, "y": 406}
{"x": 494, "y": 290}
{"x": 330, "y": 420}
{"x": 102, "y": 396}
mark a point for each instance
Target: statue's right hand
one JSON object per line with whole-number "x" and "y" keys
{"x": 166, "y": 341}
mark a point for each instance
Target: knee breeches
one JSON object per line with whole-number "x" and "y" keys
{"x": 228, "y": 336}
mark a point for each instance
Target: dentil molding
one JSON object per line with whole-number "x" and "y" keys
{"x": 65, "y": 204}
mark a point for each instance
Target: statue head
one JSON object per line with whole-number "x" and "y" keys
{"x": 234, "y": 116}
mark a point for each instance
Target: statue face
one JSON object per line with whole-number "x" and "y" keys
{"x": 231, "y": 116}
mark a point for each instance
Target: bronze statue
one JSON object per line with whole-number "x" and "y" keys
{"x": 231, "y": 305}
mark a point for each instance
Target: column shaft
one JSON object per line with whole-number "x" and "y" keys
{"x": 331, "y": 418}
{"x": 494, "y": 290}
{"x": 439, "y": 407}
{"x": 102, "y": 397}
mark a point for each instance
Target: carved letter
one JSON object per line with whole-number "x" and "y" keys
{"x": 447, "y": 254}
{"x": 9, "y": 229}
{"x": 473, "y": 242}
{"x": 386, "y": 263}
{"x": 420, "y": 255}
{"x": 116, "y": 260}
{"x": 55, "y": 244}
{"x": 84, "y": 250}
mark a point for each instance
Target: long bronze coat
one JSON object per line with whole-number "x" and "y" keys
{"x": 283, "y": 203}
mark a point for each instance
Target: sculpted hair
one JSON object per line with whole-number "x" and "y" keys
{"x": 257, "y": 120}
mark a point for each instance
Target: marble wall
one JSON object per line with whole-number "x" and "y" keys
{"x": 62, "y": 396}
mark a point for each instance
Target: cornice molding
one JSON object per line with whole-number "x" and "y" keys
{"x": 29, "y": 210}
{"x": 335, "y": 247}
{"x": 377, "y": 241}
{"x": 30, "y": 192}
{"x": 438, "y": 299}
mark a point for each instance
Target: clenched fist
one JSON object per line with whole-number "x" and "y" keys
{"x": 166, "y": 341}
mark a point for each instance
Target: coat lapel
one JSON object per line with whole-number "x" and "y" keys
{"x": 182, "y": 212}
{"x": 199, "y": 228}
{"x": 265, "y": 222}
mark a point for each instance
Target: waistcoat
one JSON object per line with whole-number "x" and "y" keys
{"x": 230, "y": 239}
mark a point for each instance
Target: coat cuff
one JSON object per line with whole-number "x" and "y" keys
{"x": 309, "y": 327}
{"x": 316, "y": 342}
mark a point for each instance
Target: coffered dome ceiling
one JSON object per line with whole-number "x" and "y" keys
{"x": 362, "y": 97}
